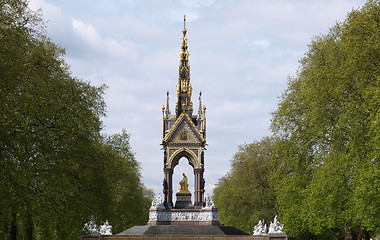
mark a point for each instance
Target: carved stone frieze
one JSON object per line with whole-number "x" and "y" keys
{"x": 203, "y": 215}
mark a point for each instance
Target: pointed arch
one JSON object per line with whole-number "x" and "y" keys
{"x": 183, "y": 152}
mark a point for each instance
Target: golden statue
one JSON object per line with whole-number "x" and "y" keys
{"x": 183, "y": 185}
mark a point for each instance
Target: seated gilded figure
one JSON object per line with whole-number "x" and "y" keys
{"x": 183, "y": 185}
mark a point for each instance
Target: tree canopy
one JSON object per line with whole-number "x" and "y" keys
{"x": 324, "y": 157}
{"x": 244, "y": 196}
{"x": 327, "y": 163}
{"x": 56, "y": 168}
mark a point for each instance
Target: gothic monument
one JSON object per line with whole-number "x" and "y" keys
{"x": 183, "y": 135}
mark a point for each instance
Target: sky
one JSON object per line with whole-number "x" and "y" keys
{"x": 241, "y": 55}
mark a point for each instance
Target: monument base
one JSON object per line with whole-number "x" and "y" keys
{"x": 181, "y": 231}
{"x": 183, "y": 200}
{"x": 165, "y": 216}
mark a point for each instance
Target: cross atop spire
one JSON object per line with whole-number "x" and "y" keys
{"x": 184, "y": 26}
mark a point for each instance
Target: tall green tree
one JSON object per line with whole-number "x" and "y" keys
{"x": 56, "y": 169}
{"x": 244, "y": 196}
{"x": 327, "y": 176}
{"x": 130, "y": 200}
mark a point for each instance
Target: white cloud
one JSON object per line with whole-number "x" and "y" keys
{"x": 261, "y": 44}
{"x": 50, "y": 11}
{"x": 108, "y": 46}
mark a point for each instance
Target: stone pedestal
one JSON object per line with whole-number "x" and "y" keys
{"x": 183, "y": 200}
{"x": 260, "y": 237}
{"x": 277, "y": 236}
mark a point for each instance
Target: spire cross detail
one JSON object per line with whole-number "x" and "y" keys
{"x": 184, "y": 26}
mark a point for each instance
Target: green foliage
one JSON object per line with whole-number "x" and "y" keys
{"x": 130, "y": 201}
{"x": 244, "y": 195}
{"x": 56, "y": 170}
{"x": 328, "y": 129}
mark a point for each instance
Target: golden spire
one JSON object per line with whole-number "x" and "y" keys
{"x": 184, "y": 86}
{"x": 184, "y": 69}
{"x": 184, "y": 53}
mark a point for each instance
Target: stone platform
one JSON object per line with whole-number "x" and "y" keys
{"x": 173, "y": 230}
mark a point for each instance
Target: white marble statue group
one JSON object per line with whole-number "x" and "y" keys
{"x": 260, "y": 228}
{"x": 158, "y": 202}
{"x": 274, "y": 227}
{"x": 209, "y": 202}
{"x": 207, "y": 214}
{"x": 92, "y": 228}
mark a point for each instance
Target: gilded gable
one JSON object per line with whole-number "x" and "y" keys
{"x": 184, "y": 134}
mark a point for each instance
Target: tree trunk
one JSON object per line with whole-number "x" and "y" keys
{"x": 12, "y": 234}
{"x": 28, "y": 231}
{"x": 363, "y": 234}
{"x": 347, "y": 233}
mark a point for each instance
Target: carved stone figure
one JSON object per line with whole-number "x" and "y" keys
{"x": 160, "y": 199}
{"x": 165, "y": 157}
{"x": 210, "y": 215}
{"x": 165, "y": 184}
{"x": 106, "y": 228}
{"x": 275, "y": 226}
{"x": 91, "y": 227}
{"x": 209, "y": 202}
{"x": 260, "y": 228}
{"x": 158, "y": 202}
{"x": 203, "y": 183}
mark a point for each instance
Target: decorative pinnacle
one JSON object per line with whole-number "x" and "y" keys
{"x": 167, "y": 103}
{"x": 200, "y": 103}
{"x": 184, "y": 53}
{"x": 184, "y": 26}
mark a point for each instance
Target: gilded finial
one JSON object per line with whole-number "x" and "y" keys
{"x": 184, "y": 53}
{"x": 184, "y": 26}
